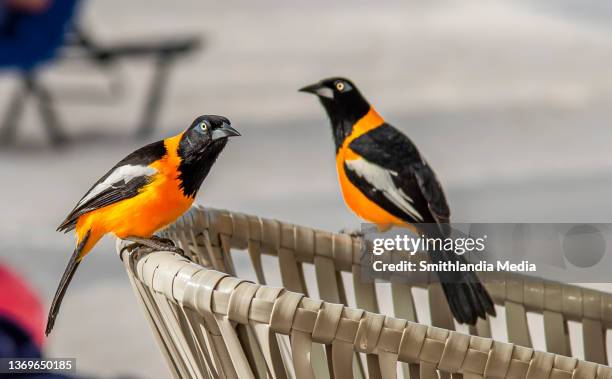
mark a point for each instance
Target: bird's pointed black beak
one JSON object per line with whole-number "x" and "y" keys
{"x": 319, "y": 90}
{"x": 312, "y": 88}
{"x": 224, "y": 131}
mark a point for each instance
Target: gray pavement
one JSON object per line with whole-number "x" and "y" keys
{"x": 510, "y": 103}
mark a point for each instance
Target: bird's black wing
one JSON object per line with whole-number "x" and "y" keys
{"x": 123, "y": 181}
{"x": 392, "y": 173}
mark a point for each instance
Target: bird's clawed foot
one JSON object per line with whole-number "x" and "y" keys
{"x": 355, "y": 233}
{"x": 162, "y": 240}
{"x": 130, "y": 248}
{"x": 154, "y": 243}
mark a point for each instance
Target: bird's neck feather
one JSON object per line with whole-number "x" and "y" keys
{"x": 343, "y": 115}
{"x": 194, "y": 169}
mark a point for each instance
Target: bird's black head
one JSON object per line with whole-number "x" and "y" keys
{"x": 343, "y": 103}
{"x": 199, "y": 147}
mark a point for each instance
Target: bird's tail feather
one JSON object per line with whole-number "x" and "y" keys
{"x": 467, "y": 297}
{"x": 71, "y": 268}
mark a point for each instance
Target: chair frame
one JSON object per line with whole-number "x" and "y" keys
{"x": 182, "y": 296}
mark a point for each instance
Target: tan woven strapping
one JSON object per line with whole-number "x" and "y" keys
{"x": 299, "y": 244}
{"x": 328, "y": 252}
{"x": 231, "y": 303}
{"x": 209, "y": 237}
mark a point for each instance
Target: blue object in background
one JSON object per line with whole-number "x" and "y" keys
{"x": 28, "y": 40}
{"x": 15, "y": 342}
{"x": 31, "y": 39}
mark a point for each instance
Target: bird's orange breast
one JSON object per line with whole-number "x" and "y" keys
{"x": 356, "y": 200}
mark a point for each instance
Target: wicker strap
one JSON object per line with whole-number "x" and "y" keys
{"x": 272, "y": 237}
{"x": 381, "y": 337}
{"x": 209, "y": 236}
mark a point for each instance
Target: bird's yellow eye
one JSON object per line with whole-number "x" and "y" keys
{"x": 340, "y": 86}
{"x": 203, "y": 126}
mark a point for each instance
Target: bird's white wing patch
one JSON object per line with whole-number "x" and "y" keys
{"x": 120, "y": 174}
{"x": 382, "y": 179}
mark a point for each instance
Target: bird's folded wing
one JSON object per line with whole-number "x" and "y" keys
{"x": 122, "y": 182}
{"x": 379, "y": 185}
{"x": 391, "y": 165}
{"x": 432, "y": 192}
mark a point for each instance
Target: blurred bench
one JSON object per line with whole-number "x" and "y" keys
{"x": 164, "y": 53}
{"x": 30, "y": 40}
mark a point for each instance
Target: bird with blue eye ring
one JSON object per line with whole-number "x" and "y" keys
{"x": 146, "y": 191}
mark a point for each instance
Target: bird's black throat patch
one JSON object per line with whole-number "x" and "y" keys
{"x": 344, "y": 111}
{"x": 195, "y": 165}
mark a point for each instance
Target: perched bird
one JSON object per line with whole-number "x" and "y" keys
{"x": 143, "y": 193}
{"x": 385, "y": 181}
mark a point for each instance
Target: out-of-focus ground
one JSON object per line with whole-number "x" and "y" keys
{"x": 509, "y": 101}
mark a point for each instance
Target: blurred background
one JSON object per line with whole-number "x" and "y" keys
{"x": 509, "y": 101}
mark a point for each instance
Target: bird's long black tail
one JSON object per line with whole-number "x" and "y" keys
{"x": 73, "y": 264}
{"x": 467, "y": 297}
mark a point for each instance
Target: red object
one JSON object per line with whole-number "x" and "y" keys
{"x": 29, "y": 6}
{"x": 20, "y": 304}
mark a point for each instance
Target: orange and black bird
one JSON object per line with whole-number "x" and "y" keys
{"x": 146, "y": 191}
{"x": 386, "y": 181}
